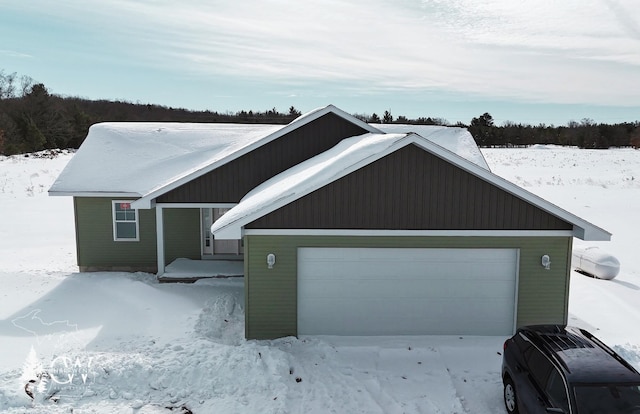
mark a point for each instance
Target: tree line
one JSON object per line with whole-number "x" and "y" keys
{"x": 32, "y": 119}
{"x": 583, "y": 134}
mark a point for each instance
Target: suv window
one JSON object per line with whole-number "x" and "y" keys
{"x": 539, "y": 366}
{"x": 610, "y": 399}
{"x": 556, "y": 391}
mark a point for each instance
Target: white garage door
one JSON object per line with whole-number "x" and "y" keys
{"x": 388, "y": 291}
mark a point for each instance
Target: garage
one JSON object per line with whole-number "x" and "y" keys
{"x": 408, "y": 291}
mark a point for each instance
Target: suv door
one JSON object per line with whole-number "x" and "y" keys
{"x": 533, "y": 382}
{"x": 556, "y": 390}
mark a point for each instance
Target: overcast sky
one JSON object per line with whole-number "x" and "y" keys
{"x": 534, "y": 61}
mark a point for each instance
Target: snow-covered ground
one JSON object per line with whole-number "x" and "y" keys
{"x": 117, "y": 342}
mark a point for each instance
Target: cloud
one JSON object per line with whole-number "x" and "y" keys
{"x": 624, "y": 14}
{"x": 544, "y": 51}
{"x": 15, "y": 54}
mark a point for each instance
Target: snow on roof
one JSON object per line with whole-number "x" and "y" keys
{"x": 455, "y": 139}
{"x": 348, "y": 155}
{"x": 351, "y": 154}
{"x": 145, "y": 160}
{"x": 134, "y": 158}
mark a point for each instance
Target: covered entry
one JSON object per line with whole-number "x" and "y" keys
{"x": 412, "y": 291}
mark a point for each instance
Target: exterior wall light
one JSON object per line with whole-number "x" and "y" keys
{"x": 271, "y": 260}
{"x": 546, "y": 262}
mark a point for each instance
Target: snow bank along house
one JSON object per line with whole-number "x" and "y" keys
{"x": 340, "y": 227}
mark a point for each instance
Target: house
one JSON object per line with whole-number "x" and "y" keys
{"x": 343, "y": 228}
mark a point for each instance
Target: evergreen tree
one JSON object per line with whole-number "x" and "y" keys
{"x": 294, "y": 112}
{"x": 483, "y": 131}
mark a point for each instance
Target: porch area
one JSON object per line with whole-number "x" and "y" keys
{"x": 184, "y": 270}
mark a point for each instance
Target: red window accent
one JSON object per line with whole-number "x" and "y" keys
{"x": 125, "y": 206}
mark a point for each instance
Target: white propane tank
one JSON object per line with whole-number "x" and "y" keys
{"x": 595, "y": 262}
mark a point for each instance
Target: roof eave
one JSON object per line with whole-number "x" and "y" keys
{"x": 591, "y": 233}
{"x": 92, "y": 194}
{"x": 228, "y": 233}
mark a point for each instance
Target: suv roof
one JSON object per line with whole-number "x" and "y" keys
{"x": 583, "y": 357}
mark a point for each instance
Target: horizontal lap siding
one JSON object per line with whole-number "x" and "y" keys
{"x": 272, "y": 293}
{"x": 410, "y": 189}
{"x": 540, "y": 291}
{"x": 270, "y": 297}
{"x": 94, "y": 238}
{"x": 230, "y": 182}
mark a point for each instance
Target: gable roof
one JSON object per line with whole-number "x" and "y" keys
{"x": 147, "y": 159}
{"x": 354, "y": 153}
{"x": 135, "y": 158}
{"x": 142, "y": 159}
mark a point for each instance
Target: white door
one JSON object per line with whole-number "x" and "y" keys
{"x": 390, "y": 291}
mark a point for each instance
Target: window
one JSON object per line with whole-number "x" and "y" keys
{"x": 557, "y": 392}
{"x": 125, "y": 221}
{"x": 539, "y": 366}
{"x": 607, "y": 398}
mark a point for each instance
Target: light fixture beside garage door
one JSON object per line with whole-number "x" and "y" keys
{"x": 271, "y": 260}
{"x": 546, "y": 262}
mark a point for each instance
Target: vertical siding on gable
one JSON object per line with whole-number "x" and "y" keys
{"x": 410, "y": 189}
{"x": 230, "y": 182}
{"x": 271, "y": 294}
{"x": 94, "y": 238}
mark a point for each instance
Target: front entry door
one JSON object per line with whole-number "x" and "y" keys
{"x": 211, "y": 246}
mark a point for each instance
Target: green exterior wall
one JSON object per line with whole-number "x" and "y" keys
{"x": 271, "y": 294}
{"x": 94, "y": 238}
{"x": 97, "y": 251}
{"x": 181, "y": 233}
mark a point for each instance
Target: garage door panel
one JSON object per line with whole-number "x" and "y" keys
{"x": 382, "y": 291}
{"x": 388, "y": 316}
{"x": 381, "y": 272}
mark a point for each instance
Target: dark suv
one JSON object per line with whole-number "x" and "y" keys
{"x": 560, "y": 369}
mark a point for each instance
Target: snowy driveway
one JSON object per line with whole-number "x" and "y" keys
{"x": 422, "y": 374}
{"x": 183, "y": 346}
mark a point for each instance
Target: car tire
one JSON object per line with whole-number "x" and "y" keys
{"x": 510, "y": 399}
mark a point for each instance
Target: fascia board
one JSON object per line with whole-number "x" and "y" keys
{"x": 229, "y": 233}
{"x": 352, "y": 119}
{"x": 92, "y": 194}
{"x": 408, "y": 233}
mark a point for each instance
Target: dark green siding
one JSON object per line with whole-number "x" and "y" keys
{"x": 94, "y": 238}
{"x": 271, "y": 295}
{"x": 181, "y": 233}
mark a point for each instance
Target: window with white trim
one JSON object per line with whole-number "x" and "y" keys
{"x": 125, "y": 221}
